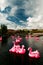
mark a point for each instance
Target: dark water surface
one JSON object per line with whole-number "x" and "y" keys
{"x": 10, "y": 59}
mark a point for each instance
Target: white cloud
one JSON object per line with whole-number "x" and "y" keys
{"x": 34, "y": 8}
{"x": 3, "y": 4}
{"x": 34, "y": 19}
{"x": 6, "y": 3}
{"x": 13, "y": 10}
{"x": 35, "y": 22}
{"x": 30, "y": 6}
{"x": 6, "y": 22}
{"x": 9, "y": 24}
{"x": 32, "y": 23}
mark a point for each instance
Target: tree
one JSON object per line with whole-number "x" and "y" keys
{"x": 3, "y": 29}
{"x": 4, "y": 34}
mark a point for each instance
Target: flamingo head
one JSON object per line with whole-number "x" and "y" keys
{"x": 18, "y": 36}
{"x": 23, "y": 46}
{"x": 29, "y": 48}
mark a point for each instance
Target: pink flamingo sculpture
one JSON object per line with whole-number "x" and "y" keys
{"x": 22, "y": 50}
{"x": 22, "y": 53}
{"x": 27, "y": 37}
{"x": 36, "y": 38}
{"x": 12, "y": 37}
{"x": 15, "y": 51}
{"x": 19, "y": 51}
{"x": 33, "y": 54}
{"x": 0, "y": 38}
{"x": 30, "y": 36}
{"x": 15, "y": 48}
{"x": 18, "y": 40}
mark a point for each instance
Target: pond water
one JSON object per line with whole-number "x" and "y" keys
{"x": 10, "y": 59}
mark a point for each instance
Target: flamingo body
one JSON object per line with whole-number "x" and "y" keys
{"x": 17, "y": 49}
{"x": 33, "y": 54}
{"x": 12, "y": 49}
{"x": 22, "y": 51}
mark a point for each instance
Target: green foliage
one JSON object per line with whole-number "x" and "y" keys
{"x": 4, "y": 34}
{"x": 3, "y": 29}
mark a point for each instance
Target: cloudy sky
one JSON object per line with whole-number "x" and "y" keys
{"x": 20, "y": 14}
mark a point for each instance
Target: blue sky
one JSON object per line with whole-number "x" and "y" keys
{"x": 20, "y": 14}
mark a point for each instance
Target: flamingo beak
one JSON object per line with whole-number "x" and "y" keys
{"x": 29, "y": 48}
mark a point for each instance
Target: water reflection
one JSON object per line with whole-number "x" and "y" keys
{"x": 8, "y": 58}
{"x": 37, "y": 44}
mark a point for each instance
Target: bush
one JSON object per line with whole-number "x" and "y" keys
{"x": 4, "y": 34}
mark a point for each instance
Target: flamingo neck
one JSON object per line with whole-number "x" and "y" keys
{"x": 30, "y": 50}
